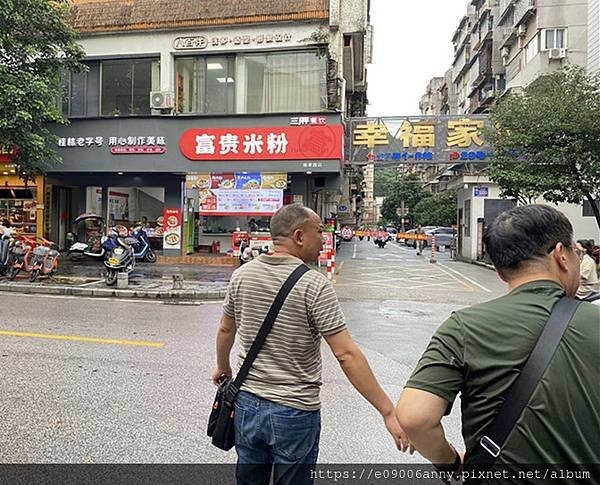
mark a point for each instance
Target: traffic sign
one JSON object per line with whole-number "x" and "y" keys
{"x": 347, "y": 233}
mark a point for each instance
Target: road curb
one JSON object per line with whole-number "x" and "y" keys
{"x": 142, "y": 294}
{"x": 483, "y": 265}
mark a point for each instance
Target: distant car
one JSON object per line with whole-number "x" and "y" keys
{"x": 409, "y": 242}
{"x": 392, "y": 231}
{"x": 444, "y": 236}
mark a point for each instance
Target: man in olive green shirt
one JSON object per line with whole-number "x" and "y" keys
{"x": 479, "y": 351}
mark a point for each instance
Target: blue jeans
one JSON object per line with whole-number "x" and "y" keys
{"x": 273, "y": 438}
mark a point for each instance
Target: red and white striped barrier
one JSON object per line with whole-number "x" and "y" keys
{"x": 330, "y": 264}
{"x": 433, "y": 254}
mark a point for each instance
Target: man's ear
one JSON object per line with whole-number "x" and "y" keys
{"x": 298, "y": 236}
{"x": 560, "y": 256}
{"x": 501, "y": 276}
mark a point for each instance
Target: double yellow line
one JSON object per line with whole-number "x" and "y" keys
{"x": 74, "y": 338}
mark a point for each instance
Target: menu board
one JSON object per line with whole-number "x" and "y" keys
{"x": 239, "y": 180}
{"x": 172, "y": 228}
{"x": 241, "y": 202}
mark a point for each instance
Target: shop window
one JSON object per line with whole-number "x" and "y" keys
{"x": 74, "y": 94}
{"x": 554, "y": 39}
{"x": 126, "y": 86}
{"x": 205, "y": 84}
{"x": 282, "y": 82}
{"x": 18, "y": 205}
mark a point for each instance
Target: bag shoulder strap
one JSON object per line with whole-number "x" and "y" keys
{"x": 522, "y": 389}
{"x": 267, "y": 325}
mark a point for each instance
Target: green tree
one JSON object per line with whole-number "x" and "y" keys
{"x": 407, "y": 188}
{"x": 36, "y": 45}
{"x": 384, "y": 177}
{"x": 438, "y": 210}
{"x": 546, "y": 139}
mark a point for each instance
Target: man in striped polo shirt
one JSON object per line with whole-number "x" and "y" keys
{"x": 277, "y": 412}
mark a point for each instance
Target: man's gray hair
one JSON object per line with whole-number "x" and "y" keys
{"x": 288, "y": 218}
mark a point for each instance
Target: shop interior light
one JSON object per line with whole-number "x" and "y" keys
{"x": 214, "y": 66}
{"x": 5, "y": 173}
{"x": 308, "y": 173}
{"x": 119, "y": 173}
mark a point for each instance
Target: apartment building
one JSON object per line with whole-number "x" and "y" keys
{"x": 593, "y": 36}
{"x": 219, "y": 111}
{"x": 432, "y": 101}
{"x": 541, "y": 36}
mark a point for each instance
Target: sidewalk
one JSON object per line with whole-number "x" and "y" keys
{"x": 148, "y": 281}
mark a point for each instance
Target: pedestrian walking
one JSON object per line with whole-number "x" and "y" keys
{"x": 419, "y": 242}
{"x": 277, "y": 411}
{"x": 587, "y": 268}
{"x": 481, "y": 351}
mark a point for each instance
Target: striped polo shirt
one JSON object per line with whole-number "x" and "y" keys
{"x": 288, "y": 367}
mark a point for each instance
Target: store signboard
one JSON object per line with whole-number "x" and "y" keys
{"x": 7, "y": 154}
{"x": 481, "y": 191}
{"x": 328, "y": 247}
{"x": 224, "y": 202}
{"x": 172, "y": 228}
{"x": 276, "y": 143}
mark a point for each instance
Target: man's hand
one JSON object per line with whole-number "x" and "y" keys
{"x": 400, "y": 438}
{"x": 219, "y": 373}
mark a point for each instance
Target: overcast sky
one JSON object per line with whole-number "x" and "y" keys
{"x": 412, "y": 44}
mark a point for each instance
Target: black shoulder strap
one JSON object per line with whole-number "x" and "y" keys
{"x": 268, "y": 324}
{"x": 522, "y": 389}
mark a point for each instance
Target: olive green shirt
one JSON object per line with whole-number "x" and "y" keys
{"x": 479, "y": 352}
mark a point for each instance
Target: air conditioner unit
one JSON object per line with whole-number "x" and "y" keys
{"x": 162, "y": 100}
{"x": 557, "y": 53}
{"x": 490, "y": 93}
{"x": 504, "y": 52}
{"x": 522, "y": 30}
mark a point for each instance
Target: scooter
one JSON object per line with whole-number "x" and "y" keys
{"x": 119, "y": 255}
{"x": 21, "y": 256}
{"x": 142, "y": 249}
{"x": 44, "y": 260}
{"x": 6, "y": 256}
{"x": 93, "y": 226}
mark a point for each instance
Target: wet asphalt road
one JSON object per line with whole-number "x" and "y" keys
{"x": 137, "y": 388}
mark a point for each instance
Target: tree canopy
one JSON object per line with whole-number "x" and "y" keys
{"x": 438, "y": 210}
{"x": 36, "y": 45}
{"x": 547, "y": 139}
{"x": 407, "y": 188}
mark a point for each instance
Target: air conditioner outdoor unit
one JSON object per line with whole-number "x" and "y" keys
{"x": 162, "y": 100}
{"x": 504, "y": 52}
{"x": 522, "y": 30}
{"x": 557, "y": 53}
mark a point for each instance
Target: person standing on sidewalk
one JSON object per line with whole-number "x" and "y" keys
{"x": 479, "y": 352}
{"x": 277, "y": 411}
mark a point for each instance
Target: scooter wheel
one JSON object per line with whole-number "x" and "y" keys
{"x": 13, "y": 273}
{"x": 34, "y": 274}
{"x": 150, "y": 256}
{"x": 110, "y": 278}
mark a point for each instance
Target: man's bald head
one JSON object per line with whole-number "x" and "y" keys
{"x": 289, "y": 218}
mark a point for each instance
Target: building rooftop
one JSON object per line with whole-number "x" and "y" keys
{"x": 98, "y": 16}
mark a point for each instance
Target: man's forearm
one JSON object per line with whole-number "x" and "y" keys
{"x": 432, "y": 444}
{"x": 359, "y": 373}
{"x": 225, "y": 339}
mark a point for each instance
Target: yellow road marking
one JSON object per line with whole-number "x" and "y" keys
{"x": 82, "y": 339}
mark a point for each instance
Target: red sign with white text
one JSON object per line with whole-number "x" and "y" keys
{"x": 277, "y": 143}
{"x": 172, "y": 228}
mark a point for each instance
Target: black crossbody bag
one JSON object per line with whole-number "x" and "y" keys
{"x": 221, "y": 419}
{"x": 520, "y": 392}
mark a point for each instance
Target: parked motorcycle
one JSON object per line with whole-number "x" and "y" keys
{"x": 120, "y": 257}
{"x": 21, "y": 256}
{"x": 90, "y": 228}
{"x": 44, "y": 260}
{"x": 142, "y": 249}
{"x": 6, "y": 260}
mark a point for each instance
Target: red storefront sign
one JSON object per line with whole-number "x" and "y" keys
{"x": 172, "y": 228}
{"x": 7, "y": 154}
{"x": 277, "y": 143}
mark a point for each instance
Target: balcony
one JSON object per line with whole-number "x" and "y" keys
{"x": 524, "y": 10}
{"x": 506, "y": 6}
